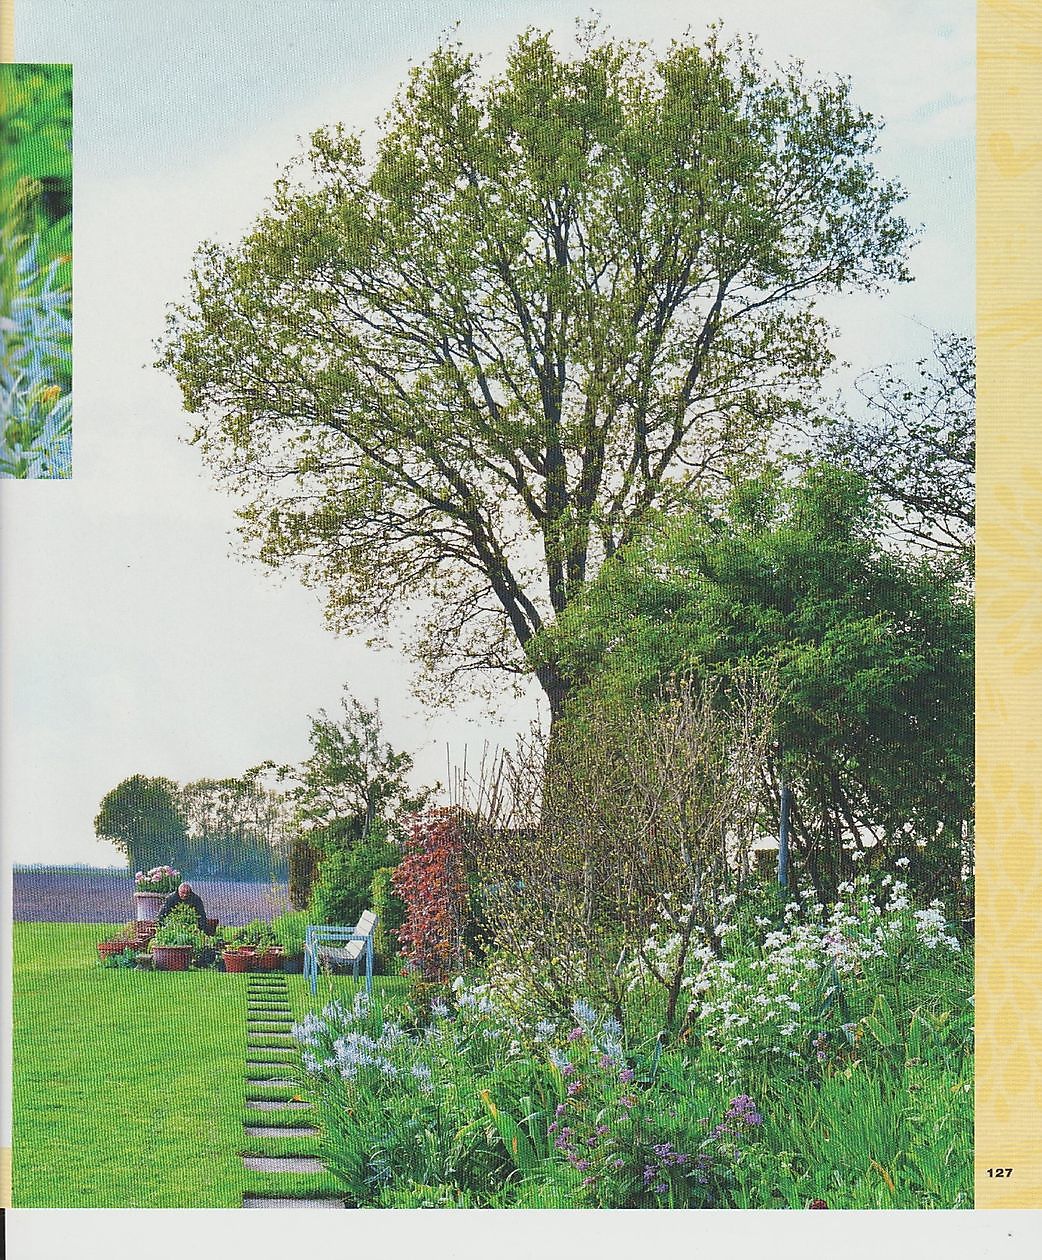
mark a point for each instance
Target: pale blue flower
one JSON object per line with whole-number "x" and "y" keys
{"x": 584, "y": 1012}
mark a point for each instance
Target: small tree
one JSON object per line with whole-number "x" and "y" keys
{"x": 646, "y": 822}
{"x": 353, "y": 786}
{"x": 431, "y": 881}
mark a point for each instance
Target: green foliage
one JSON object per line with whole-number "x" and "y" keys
{"x": 390, "y": 913}
{"x": 256, "y": 933}
{"x": 496, "y": 1105}
{"x": 353, "y": 782}
{"x": 343, "y": 890}
{"x": 873, "y": 653}
{"x": 143, "y": 818}
{"x": 35, "y": 270}
{"x": 561, "y": 293}
{"x": 123, "y": 961}
{"x": 290, "y": 931}
{"x": 180, "y": 927}
{"x": 36, "y": 139}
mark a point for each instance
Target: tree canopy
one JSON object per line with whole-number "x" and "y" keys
{"x": 464, "y": 368}
{"x": 916, "y": 447}
{"x": 143, "y": 817}
{"x": 872, "y": 652}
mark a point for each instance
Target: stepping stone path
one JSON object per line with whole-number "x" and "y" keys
{"x": 269, "y": 1048}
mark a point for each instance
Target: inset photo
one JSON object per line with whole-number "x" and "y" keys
{"x": 35, "y": 271}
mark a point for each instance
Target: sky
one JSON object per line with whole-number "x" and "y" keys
{"x": 132, "y": 640}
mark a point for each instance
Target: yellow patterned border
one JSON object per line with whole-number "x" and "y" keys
{"x": 1009, "y": 678}
{"x": 5, "y": 1177}
{"x": 6, "y": 30}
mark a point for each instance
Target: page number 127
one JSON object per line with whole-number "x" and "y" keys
{"x": 1000, "y": 1172}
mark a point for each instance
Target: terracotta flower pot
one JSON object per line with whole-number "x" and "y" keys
{"x": 172, "y": 957}
{"x": 237, "y": 960}
{"x": 269, "y": 960}
{"x": 109, "y": 949}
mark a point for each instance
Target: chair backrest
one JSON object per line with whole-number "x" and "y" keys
{"x": 366, "y": 924}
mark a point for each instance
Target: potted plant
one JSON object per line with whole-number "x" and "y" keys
{"x": 125, "y": 939}
{"x": 267, "y": 951}
{"x": 176, "y": 941}
{"x": 236, "y": 955}
{"x": 151, "y": 889}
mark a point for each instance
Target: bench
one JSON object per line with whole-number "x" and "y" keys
{"x": 329, "y": 943}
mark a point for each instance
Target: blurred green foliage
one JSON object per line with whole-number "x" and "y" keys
{"x": 35, "y": 270}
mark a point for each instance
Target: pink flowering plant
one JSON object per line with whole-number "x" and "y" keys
{"x": 160, "y": 879}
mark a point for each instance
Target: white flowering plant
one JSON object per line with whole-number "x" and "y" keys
{"x": 804, "y": 986}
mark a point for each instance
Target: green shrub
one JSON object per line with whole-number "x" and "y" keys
{"x": 343, "y": 889}
{"x": 290, "y": 931}
{"x": 390, "y": 915}
{"x": 256, "y": 933}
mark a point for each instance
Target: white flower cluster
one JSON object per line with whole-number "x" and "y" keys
{"x": 776, "y": 1000}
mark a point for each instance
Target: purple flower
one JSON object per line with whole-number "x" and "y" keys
{"x": 626, "y": 1101}
{"x": 618, "y": 1163}
{"x": 582, "y": 1164}
{"x": 626, "y": 1075}
{"x": 575, "y": 1034}
{"x": 589, "y": 1181}
{"x": 574, "y": 1087}
{"x": 661, "y": 1188}
{"x": 601, "y": 1130}
{"x": 591, "y": 1141}
{"x": 605, "y": 1061}
{"x": 560, "y": 1109}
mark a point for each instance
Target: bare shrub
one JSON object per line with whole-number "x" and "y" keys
{"x": 632, "y": 818}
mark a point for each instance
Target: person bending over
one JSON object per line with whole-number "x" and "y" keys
{"x": 184, "y": 896}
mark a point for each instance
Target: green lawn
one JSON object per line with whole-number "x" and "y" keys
{"x": 129, "y": 1085}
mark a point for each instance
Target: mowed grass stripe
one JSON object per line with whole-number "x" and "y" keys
{"x": 127, "y": 1085}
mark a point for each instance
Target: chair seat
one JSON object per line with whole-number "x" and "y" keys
{"x": 347, "y": 953}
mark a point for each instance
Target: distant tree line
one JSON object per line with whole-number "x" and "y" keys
{"x": 215, "y": 828}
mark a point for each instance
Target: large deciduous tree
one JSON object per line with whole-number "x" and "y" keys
{"x": 461, "y": 370}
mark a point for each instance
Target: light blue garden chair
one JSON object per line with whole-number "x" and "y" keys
{"x": 328, "y": 943}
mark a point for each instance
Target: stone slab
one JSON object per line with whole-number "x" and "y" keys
{"x": 276, "y": 1104}
{"x": 279, "y": 1130}
{"x": 283, "y": 1163}
{"x": 262, "y": 1201}
{"x": 270, "y": 1080}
